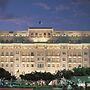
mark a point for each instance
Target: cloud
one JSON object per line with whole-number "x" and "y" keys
{"x": 43, "y": 5}
{"x": 62, "y": 8}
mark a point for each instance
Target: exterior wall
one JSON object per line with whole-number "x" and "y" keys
{"x": 22, "y": 56}
{"x": 25, "y": 58}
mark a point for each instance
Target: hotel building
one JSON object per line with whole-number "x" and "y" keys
{"x": 43, "y": 49}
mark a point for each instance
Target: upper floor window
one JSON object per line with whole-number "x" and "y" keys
{"x": 48, "y": 33}
{"x": 32, "y": 65}
{"x": 31, "y": 33}
{"x": 48, "y": 65}
{"x": 85, "y": 53}
{"x": 11, "y": 53}
{"x": 44, "y": 33}
{"x": 2, "y": 54}
{"x": 64, "y": 53}
{"x": 40, "y": 65}
{"x": 6, "y": 65}
{"x": 64, "y": 59}
{"x": 17, "y": 52}
{"x": 36, "y": 34}
{"x": 32, "y": 54}
{"x": 7, "y": 54}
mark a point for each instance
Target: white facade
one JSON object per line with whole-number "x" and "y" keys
{"x": 21, "y": 58}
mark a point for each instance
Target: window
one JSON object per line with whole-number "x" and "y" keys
{"x": 32, "y": 54}
{"x": 17, "y": 52}
{"x": 64, "y": 59}
{"x": 17, "y": 65}
{"x": 28, "y": 60}
{"x": 36, "y": 34}
{"x": 31, "y": 33}
{"x": 57, "y": 65}
{"x": 85, "y": 53}
{"x": 6, "y": 65}
{"x": 42, "y": 58}
{"x": 69, "y": 65}
{"x": 2, "y": 54}
{"x": 11, "y": 59}
{"x": 85, "y": 59}
{"x": 7, "y": 54}
{"x": 48, "y": 60}
{"x": 2, "y": 65}
{"x": 79, "y": 54}
{"x": 17, "y": 59}
{"x": 11, "y": 53}
{"x": 32, "y": 59}
{"x": 38, "y": 59}
{"x": 27, "y": 65}
{"x": 11, "y": 65}
{"x": 74, "y": 54}
{"x": 48, "y": 65}
{"x": 48, "y": 33}
{"x": 32, "y": 65}
{"x": 74, "y": 60}
{"x": 23, "y": 65}
{"x": 64, "y": 53}
{"x": 23, "y": 59}
{"x": 70, "y": 60}
{"x": 40, "y": 65}
{"x": 53, "y": 65}
{"x": 63, "y": 65}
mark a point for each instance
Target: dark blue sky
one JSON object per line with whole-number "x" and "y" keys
{"x": 59, "y": 14}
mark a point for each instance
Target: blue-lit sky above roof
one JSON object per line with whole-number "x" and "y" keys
{"x": 59, "y": 14}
